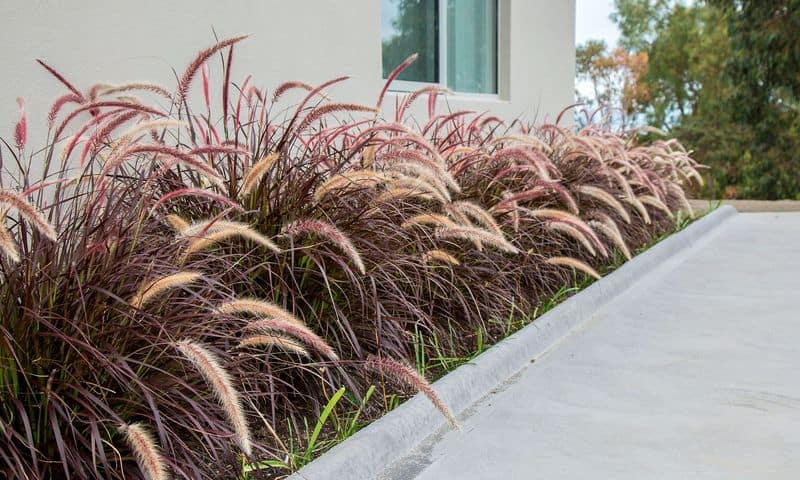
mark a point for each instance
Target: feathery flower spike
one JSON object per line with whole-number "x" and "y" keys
{"x": 257, "y": 307}
{"x": 28, "y": 212}
{"x": 147, "y": 453}
{"x": 220, "y": 382}
{"x": 256, "y": 173}
{"x": 320, "y": 228}
{"x": 574, "y": 263}
{"x": 300, "y": 332}
{"x": 408, "y": 376}
{"x": 150, "y": 290}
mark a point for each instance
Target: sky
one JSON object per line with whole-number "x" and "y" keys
{"x": 592, "y": 22}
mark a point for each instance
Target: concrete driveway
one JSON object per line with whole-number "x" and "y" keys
{"x": 692, "y": 373}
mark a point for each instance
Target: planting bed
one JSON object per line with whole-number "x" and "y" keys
{"x": 190, "y": 290}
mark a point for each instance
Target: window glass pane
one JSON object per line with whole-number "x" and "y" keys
{"x": 407, "y": 27}
{"x": 472, "y": 46}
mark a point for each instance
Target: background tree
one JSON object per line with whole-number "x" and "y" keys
{"x": 722, "y": 76}
{"x": 764, "y": 66}
{"x": 615, "y": 78}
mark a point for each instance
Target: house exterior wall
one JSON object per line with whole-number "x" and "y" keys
{"x": 311, "y": 40}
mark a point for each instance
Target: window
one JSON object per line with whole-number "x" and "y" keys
{"x": 456, "y": 41}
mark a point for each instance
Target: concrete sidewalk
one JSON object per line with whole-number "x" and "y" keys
{"x": 692, "y": 373}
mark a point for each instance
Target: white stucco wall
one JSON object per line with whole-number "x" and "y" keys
{"x": 311, "y": 40}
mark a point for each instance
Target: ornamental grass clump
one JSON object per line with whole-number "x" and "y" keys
{"x": 180, "y": 287}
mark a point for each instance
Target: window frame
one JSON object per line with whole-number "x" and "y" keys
{"x": 405, "y": 86}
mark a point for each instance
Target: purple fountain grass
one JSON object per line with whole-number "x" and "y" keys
{"x": 61, "y": 79}
{"x": 219, "y": 150}
{"x": 416, "y": 184}
{"x": 147, "y": 452}
{"x": 295, "y": 330}
{"x": 287, "y": 86}
{"x": 576, "y": 264}
{"x": 272, "y": 340}
{"x": 261, "y": 308}
{"x": 320, "y": 112}
{"x": 605, "y": 197}
{"x": 21, "y": 129}
{"x": 104, "y": 130}
{"x": 29, "y": 213}
{"x": 477, "y": 213}
{"x": 437, "y": 255}
{"x": 211, "y": 238}
{"x": 571, "y": 231}
{"x": 256, "y": 173}
{"x": 395, "y": 192}
{"x": 404, "y": 157}
{"x": 59, "y": 104}
{"x": 478, "y": 235}
{"x": 102, "y": 104}
{"x": 393, "y": 75}
{"x": 221, "y": 384}
{"x": 206, "y": 86}
{"x": 203, "y": 227}
{"x": 178, "y": 224}
{"x": 435, "y": 206}
{"x": 349, "y": 180}
{"x": 525, "y": 155}
{"x": 639, "y": 207}
{"x": 152, "y": 289}
{"x": 560, "y": 216}
{"x": 511, "y": 201}
{"x": 200, "y": 193}
{"x": 441, "y": 181}
{"x": 613, "y": 234}
{"x": 655, "y": 202}
{"x": 326, "y": 230}
{"x": 406, "y": 375}
{"x": 8, "y": 245}
{"x": 430, "y": 219}
{"x": 198, "y": 62}
{"x": 136, "y": 86}
{"x": 178, "y": 155}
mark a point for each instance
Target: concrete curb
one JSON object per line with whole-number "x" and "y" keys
{"x": 369, "y": 452}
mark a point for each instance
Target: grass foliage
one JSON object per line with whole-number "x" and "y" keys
{"x": 182, "y": 288}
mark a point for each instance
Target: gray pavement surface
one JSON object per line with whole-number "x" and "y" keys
{"x": 694, "y": 372}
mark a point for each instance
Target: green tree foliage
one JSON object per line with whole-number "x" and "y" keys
{"x": 724, "y": 77}
{"x": 764, "y": 66}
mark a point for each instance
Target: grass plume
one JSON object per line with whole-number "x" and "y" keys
{"x": 28, "y": 212}
{"x": 603, "y": 196}
{"x": 406, "y": 375}
{"x": 478, "y": 235}
{"x": 256, "y": 307}
{"x": 328, "y": 231}
{"x": 147, "y": 453}
{"x": 152, "y": 289}
{"x": 576, "y": 264}
{"x": 257, "y": 172}
{"x": 300, "y": 332}
{"x": 221, "y": 384}
{"x": 272, "y": 340}
{"x": 439, "y": 256}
